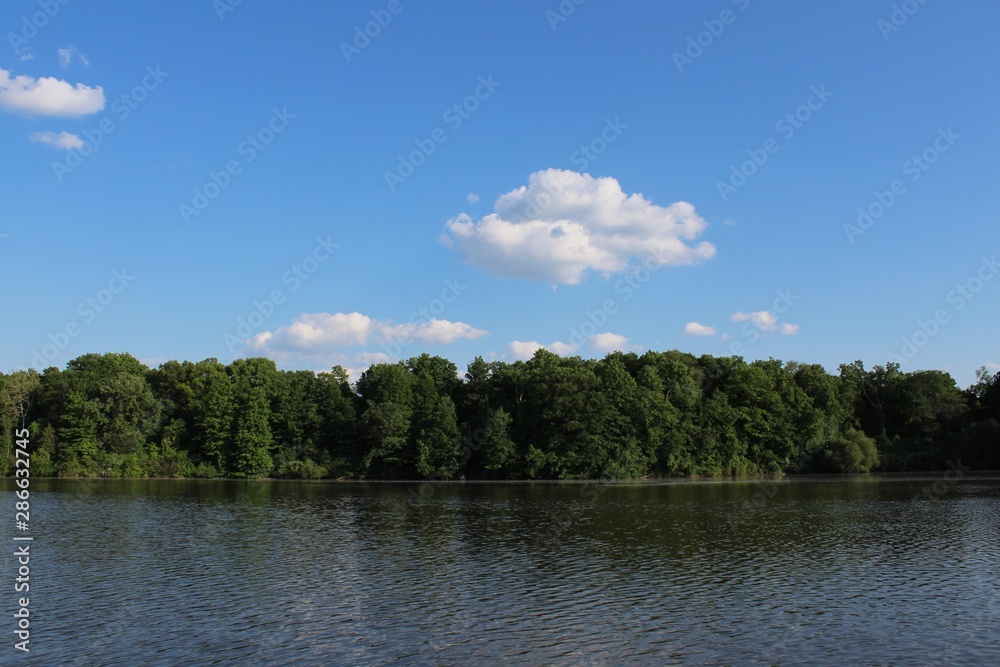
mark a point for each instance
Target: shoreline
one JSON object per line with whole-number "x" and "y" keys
{"x": 659, "y": 481}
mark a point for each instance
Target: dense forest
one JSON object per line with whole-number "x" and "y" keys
{"x": 625, "y": 416}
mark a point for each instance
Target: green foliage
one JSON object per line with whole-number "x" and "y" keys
{"x": 252, "y": 438}
{"x": 500, "y": 451}
{"x": 625, "y": 416}
{"x": 853, "y": 452}
{"x": 307, "y": 469}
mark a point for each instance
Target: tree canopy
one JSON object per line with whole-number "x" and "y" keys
{"x": 551, "y": 417}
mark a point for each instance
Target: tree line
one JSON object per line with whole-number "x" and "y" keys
{"x": 624, "y": 416}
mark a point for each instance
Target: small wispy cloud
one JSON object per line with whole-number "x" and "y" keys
{"x": 67, "y": 54}
{"x": 765, "y": 320}
{"x": 472, "y": 198}
{"x": 64, "y": 140}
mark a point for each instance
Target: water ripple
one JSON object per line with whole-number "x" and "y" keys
{"x": 214, "y": 573}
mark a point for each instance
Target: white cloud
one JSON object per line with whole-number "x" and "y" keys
{"x": 608, "y": 342}
{"x": 66, "y": 56}
{"x": 560, "y": 348}
{"x": 762, "y": 319}
{"x": 523, "y": 349}
{"x": 373, "y": 358}
{"x": 994, "y": 366}
{"x": 472, "y": 198}
{"x": 436, "y": 332}
{"x": 765, "y": 320}
{"x": 695, "y": 329}
{"x": 602, "y": 342}
{"x": 26, "y": 56}
{"x": 564, "y": 224}
{"x": 48, "y": 96}
{"x": 64, "y": 140}
{"x": 314, "y": 332}
{"x": 318, "y": 330}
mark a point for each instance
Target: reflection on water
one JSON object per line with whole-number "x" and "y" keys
{"x": 821, "y": 571}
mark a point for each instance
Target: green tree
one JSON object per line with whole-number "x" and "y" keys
{"x": 853, "y": 452}
{"x": 616, "y": 421}
{"x": 387, "y": 392}
{"x": 253, "y": 380}
{"x": 500, "y": 457}
{"x": 338, "y": 410}
{"x": 212, "y": 414}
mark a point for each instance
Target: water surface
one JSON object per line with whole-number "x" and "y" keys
{"x": 858, "y": 570}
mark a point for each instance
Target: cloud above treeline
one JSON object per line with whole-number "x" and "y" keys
{"x": 602, "y": 343}
{"x": 765, "y": 320}
{"x": 564, "y": 224}
{"x": 316, "y": 332}
{"x": 695, "y": 329}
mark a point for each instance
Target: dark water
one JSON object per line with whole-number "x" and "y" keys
{"x": 846, "y": 571}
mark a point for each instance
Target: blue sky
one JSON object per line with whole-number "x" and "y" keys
{"x": 728, "y": 144}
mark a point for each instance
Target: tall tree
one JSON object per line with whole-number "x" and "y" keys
{"x": 387, "y": 392}
{"x": 253, "y": 380}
